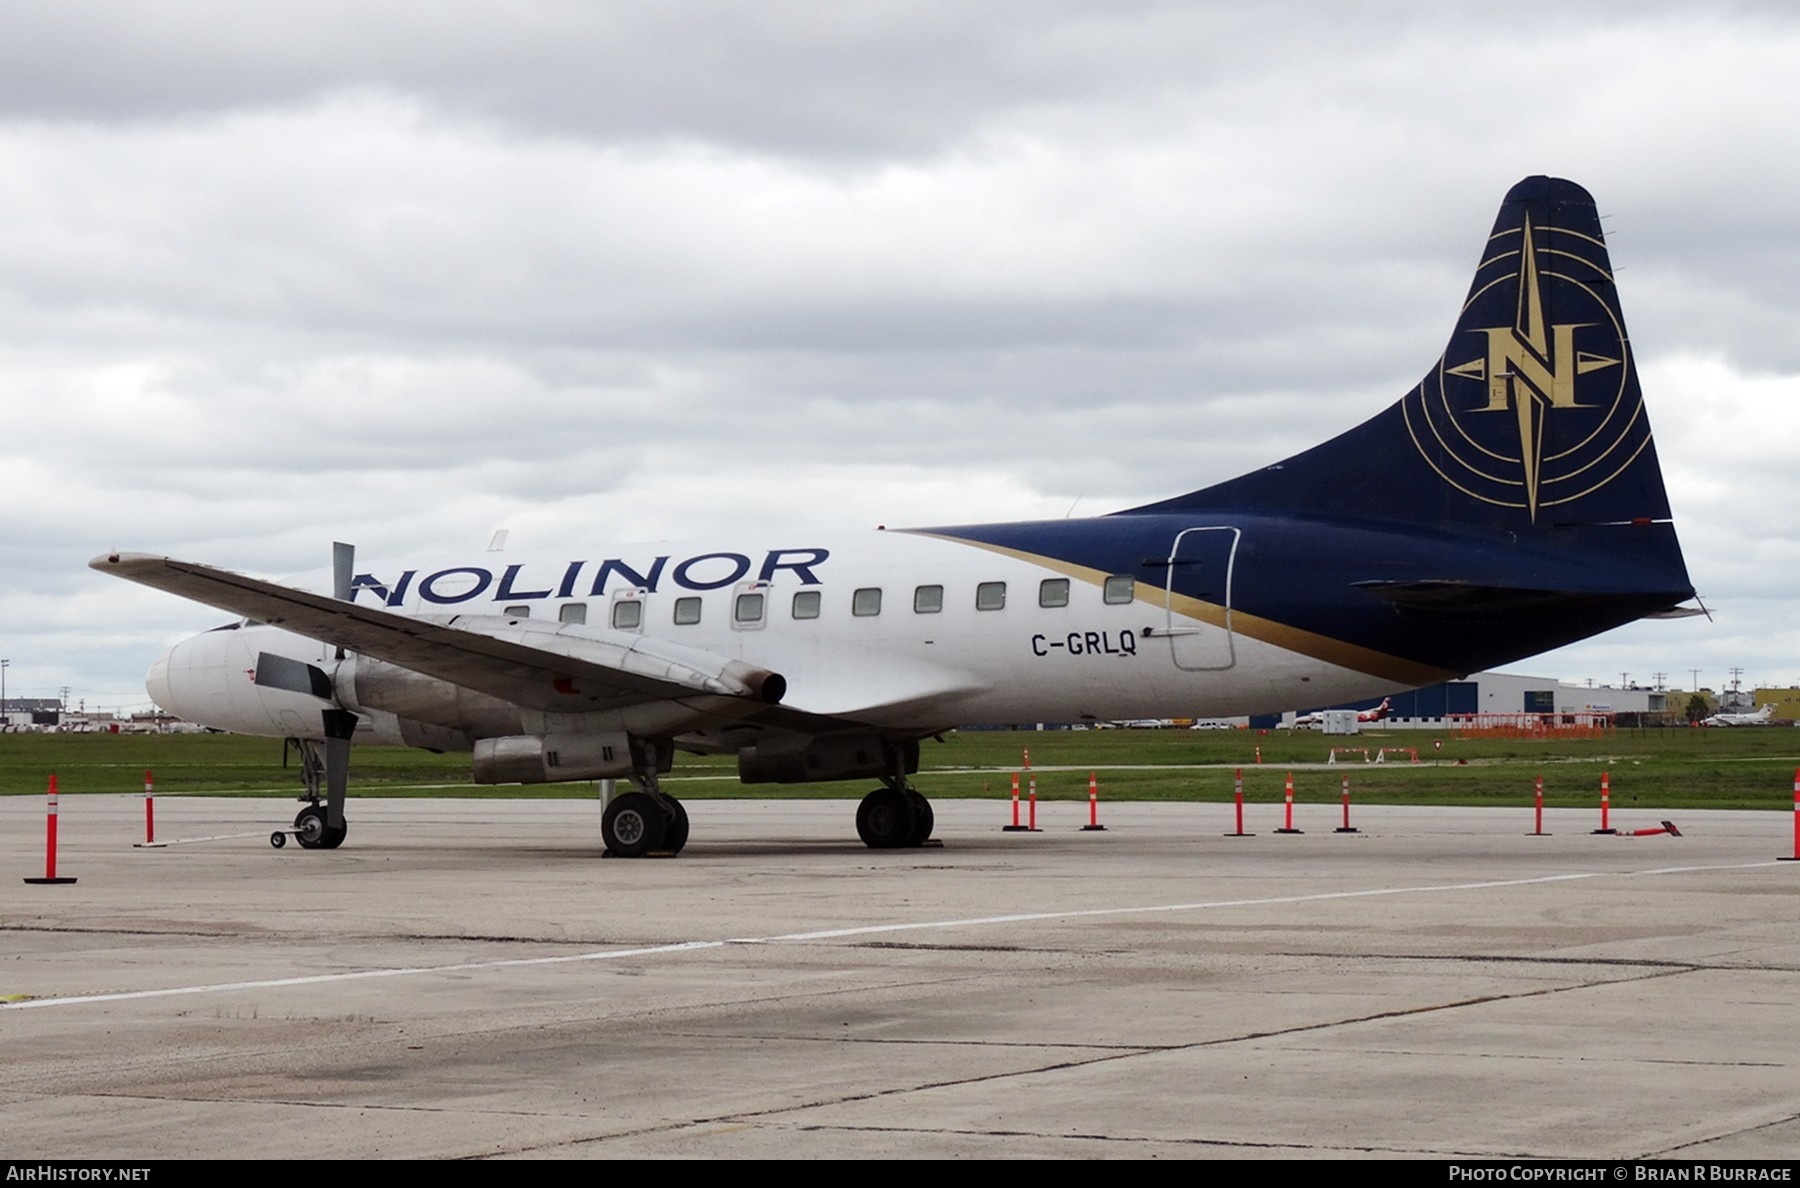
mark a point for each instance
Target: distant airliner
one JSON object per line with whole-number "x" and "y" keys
{"x": 1317, "y": 717}
{"x": 1509, "y": 503}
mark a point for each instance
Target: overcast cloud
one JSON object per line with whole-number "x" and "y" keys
{"x": 405, "y": 274}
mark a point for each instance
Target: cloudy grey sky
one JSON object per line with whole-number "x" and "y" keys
{"x": 404, "y": 274}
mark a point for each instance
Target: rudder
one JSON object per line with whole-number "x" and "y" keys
{"x": 1532, "y": 418}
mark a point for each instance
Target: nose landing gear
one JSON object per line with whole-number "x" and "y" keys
{"x": 323, "y": 769}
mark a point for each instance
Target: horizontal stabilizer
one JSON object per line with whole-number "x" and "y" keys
{"x": 1455, "y": 599}
{"x": 1679, "y": 612}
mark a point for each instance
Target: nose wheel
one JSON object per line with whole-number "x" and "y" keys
{"x": 311, "y": 831}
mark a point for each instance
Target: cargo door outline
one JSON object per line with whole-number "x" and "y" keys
{"x": 1203, "y": 561}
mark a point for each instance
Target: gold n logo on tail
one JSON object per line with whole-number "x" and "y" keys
{"x": 1530, "y": 369}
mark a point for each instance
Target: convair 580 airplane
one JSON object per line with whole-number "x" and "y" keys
{"x": 1509, "y": 503}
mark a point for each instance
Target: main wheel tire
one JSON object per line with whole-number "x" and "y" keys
{"x": 923, "y": 818}
{"x": 675, "y": 837}
{"x": 633, "y": 825}
{"x": 886, "y": 819}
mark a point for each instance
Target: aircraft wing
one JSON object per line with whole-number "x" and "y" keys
{"x": 540, "y": 665}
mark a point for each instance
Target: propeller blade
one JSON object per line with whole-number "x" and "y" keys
{"x": 343, "y": 570}
{"x": 343, "y": 574}
{"x": 296, "y": 676}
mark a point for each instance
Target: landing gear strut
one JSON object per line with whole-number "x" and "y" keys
{"x": 324, "y": 769}
{"x": 314, "y": 827}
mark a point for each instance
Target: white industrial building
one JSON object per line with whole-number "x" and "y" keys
{"x": 1443, "y": 705}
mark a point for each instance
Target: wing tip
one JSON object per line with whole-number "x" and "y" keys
{"x": 125, "y": 562}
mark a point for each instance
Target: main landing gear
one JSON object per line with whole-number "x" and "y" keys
{"x": 893, "y": 816}
{"x": 647, "y": 820}
{"x": 639, "y": 823}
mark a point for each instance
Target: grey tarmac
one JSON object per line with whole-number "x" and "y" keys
{"x": 470, "y": 978}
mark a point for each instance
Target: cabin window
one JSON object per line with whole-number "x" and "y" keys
{"x": 748, "y": 608}
{"x": 1120, "y": 589}
{"x": 990, "y": 596}
{"x": 687, "y": 612}
{"x": 928, "y": 600}
{"x": 866, "y": 602}
{"x": 1053, "y": 592}
{"x": 628, "y": 614}
{"x": 806, "y": 604}
{"x": 572, "y": 612}
{"x": 517, "y": 612}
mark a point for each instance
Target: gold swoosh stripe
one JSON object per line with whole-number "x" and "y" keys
{"x": 1281, "y": 635}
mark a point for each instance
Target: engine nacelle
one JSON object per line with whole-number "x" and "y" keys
{"x": 549, "y": 758}
{"x": 833, "y": 757}
{"x": 364, "y": 683}
{"x": 253, "y": 678}
{"x": 704, "y": 685}
{"x": 210, "y": 680}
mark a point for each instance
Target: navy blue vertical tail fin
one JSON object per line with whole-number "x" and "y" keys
{"x": 1532, "y": 419}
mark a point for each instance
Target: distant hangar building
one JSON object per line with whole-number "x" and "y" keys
{"x": 1448, "y": 703}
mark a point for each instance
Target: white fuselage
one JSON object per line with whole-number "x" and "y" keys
{"x": 897, "y": 630}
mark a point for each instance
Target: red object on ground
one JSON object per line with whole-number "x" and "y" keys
{"x": 50, "y": 841}
{"x": 1288, "y": 826}
{"x": 1093, "y": 804}
{"x": 1606, "y": 804}
{"x": 1345, "y": 827}
{"x": 1237, "y": 796}
{"x": 1796, "y": 855}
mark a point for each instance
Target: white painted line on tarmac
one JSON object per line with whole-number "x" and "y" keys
{"x": 859, "y": 930}
{"x": 400, "y": 971}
